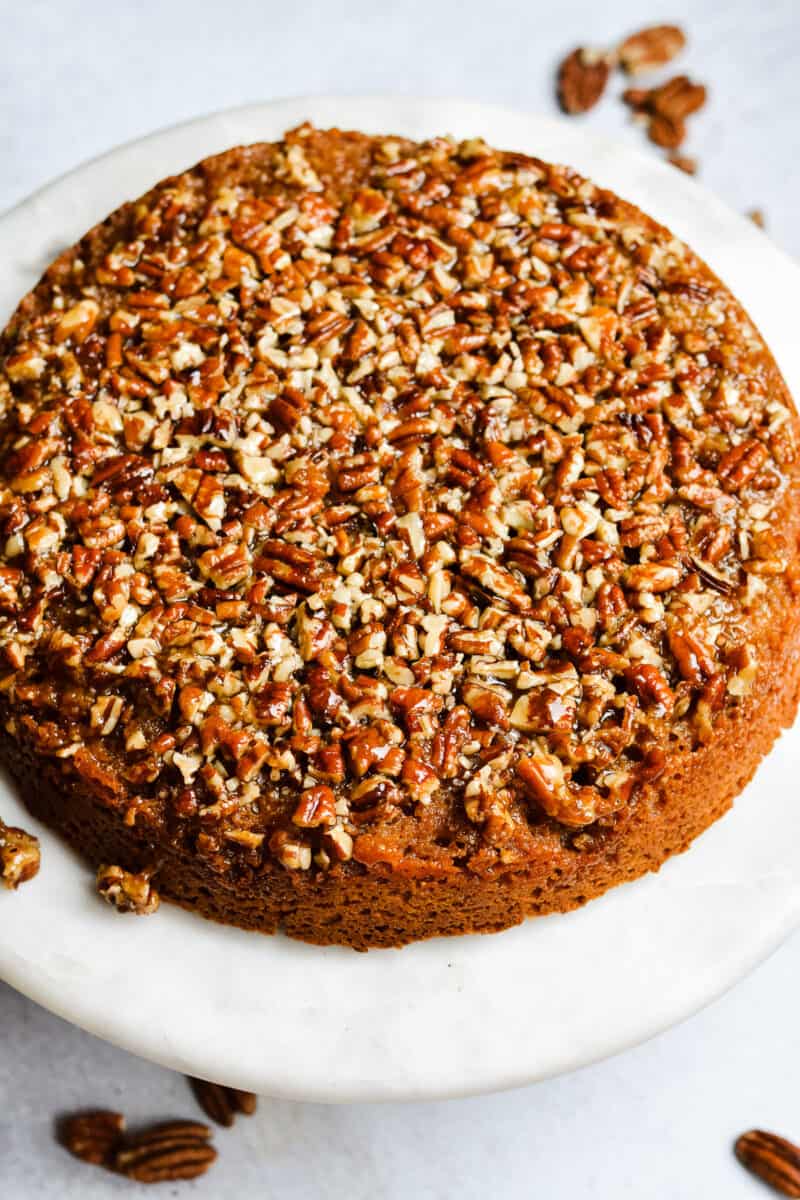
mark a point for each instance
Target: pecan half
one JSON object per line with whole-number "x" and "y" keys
{"x": 20, "y": 856}
{"x": 678, "y": 98}
{"x": 127, "y": 891}
{"x": 167, "y": 1152}
{"x": 582, "y": 79}
{"x": 771, "y": 1158}
{"x": 650, "y": 48}
{"x": 92, "y": 1136}
{"x": 222, "y": 1103}
{"x": 650, "y": 685}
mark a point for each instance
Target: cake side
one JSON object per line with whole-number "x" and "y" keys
{"x": 407, "y": 536}
{"x": 368, "y": 909}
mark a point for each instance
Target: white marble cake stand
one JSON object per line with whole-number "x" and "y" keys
{"x": 450, "y": 1016}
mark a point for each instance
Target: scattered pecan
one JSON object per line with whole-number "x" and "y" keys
{"x": 222, "y": 1103}
{"x": 582, "y": 79}
{"x": 678, "y": 98}
{"x": 773, "y": 1159}
{"x": 756, "y": 215}
{"x": 127, "y": 891}
{"x": 20, "y": 856}
{"x": 666, "y": 108}
{"x": 650, "y": 48}
{"x": 666, "y": 132}
{"x": 92, "y": 1136}
{"x": 684, "y": 163}
{"x": 163, "y": 1153}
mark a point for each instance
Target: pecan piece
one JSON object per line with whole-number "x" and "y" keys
{"x": 695, "y": 660}
{"x": 667, "y": 108}
{"x": 497, "y": 580}
{"x": 222, "y": 1103}
{"x": 417, "y": 707}
{"x": 678, "y": 98}
{"x": 317, "y": 806}
{"x": 684, "y": 163}
{"x": 667, "y": 132}
{"x": 543, "y": 711}
{"x": 771, "y": 1158}
{"x": 20, "y": 856}
{"x": 290, "y": 853}
{"x": 449, "y": 741}
{"x": 293, "y": 566}
{"x": 650, "y": 48}
{"x": 92, "y": 1136}
{"x": 225, "y": 565}
{"x": 741, "y": 463}
{"x": 127, "y": 891}
{"x": 650, "y": 685}
{"x": 544, "y": 779}
{"x": 287, "y": 409}
{"x": 582, "y": 79}
{"x": 653, "y": 577}
{"x": 77, "y": 322}
{"x": 173, "y": 1150}
{"x": 489, "y": 702}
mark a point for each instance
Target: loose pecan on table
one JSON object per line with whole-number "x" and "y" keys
{"x": 582, "y": 79}
{"x": 127, "y": 891}
{"x": 773, "y": 1159}
{"x": 163, "y": 1153}
{"x": 685, "y": 163}
{"x": 666, "y": 108}
{"x": 650, "y": 48}
{"x": 92, "y": 1136}
{"x": 222, "y": 1103}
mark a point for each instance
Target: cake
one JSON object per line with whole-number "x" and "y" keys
{"x": 397, "y": 540}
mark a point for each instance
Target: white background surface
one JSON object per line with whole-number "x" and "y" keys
{"x": 656, "y": 1122}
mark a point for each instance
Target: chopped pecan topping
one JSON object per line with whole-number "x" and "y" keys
{"x": 434, "y": 496}
{"x": 127, "y": 891}
{"x": 20, "y": 856}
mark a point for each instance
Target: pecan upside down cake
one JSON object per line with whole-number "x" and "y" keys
{"x": 398, "y": 540}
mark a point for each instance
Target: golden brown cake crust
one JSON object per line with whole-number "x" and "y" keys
{"x": 399, "y": 540}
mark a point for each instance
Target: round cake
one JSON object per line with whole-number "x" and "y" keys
{"x": 397, "y": 540}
